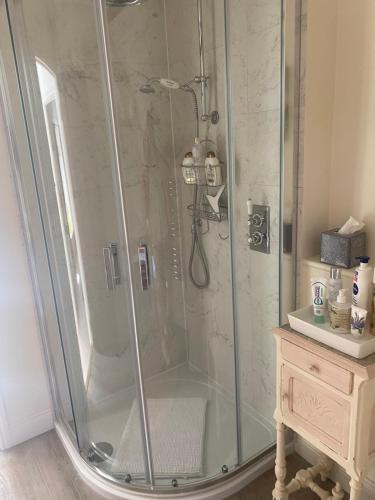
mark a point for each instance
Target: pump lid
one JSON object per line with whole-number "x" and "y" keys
{"x": 335, "y": 273}
{"x": 342, "y": 296}
{"x": 189, "y": 154}
{"x": 211, "y": 154}
{"x": 363, "y": 259}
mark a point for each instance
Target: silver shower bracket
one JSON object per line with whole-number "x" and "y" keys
{"x": 213, "y": 116}
{"x": 202, "y": 78}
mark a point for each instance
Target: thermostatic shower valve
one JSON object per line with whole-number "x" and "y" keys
{"x": 259, "y": 228}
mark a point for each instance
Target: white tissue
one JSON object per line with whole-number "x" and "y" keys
{"x": 351, "y": 226}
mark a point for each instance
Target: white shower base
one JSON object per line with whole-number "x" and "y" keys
{"x": 108, "y": 418}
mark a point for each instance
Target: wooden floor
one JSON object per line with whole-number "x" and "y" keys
{"x": 41, "y": 470}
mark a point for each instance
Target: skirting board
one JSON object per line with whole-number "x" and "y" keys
{"x": 311, "y": 454}
{"x": 19, "y": 431}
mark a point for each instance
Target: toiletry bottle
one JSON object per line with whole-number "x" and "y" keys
{"x": 319, "y": 299}
{"x": 198, "y": 152}
{"x": 358, "y": 321}
{"x": 362, "y": 281}
{"x": 213, "y": 170}
{"x": 340, "y": 312}
{"x": 334, "y": 285}
{"x": 188, "y": 170}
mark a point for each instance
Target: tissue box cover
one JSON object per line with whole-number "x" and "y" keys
{"x": 342, "y": 249}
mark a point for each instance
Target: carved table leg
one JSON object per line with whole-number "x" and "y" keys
{"x": 338, "y": 492}
{"x": 326, "y": 464}
{"x": 356, "y": 488}
{"x": 280, "y": 492}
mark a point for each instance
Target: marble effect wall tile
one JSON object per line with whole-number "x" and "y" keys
{"x": 255, "y": 78}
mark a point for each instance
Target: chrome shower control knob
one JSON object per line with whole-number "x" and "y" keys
{"x": 257, "y": 220}
{"x": 256, "y": 238}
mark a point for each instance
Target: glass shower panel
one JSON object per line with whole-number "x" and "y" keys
{"x": 186, "y": 332}
{"x": 23, "y": 174}
{"x": 254, "y": 55}
{"x": 66, "y": 115}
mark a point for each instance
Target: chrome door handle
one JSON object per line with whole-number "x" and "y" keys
{"x": 111, "y": 266}
{"x": 143, "y": 267}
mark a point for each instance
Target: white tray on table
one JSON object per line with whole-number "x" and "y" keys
{"x": 303, "y": 321}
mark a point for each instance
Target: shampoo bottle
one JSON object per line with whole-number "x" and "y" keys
{"x": 362, "y": 282}
{"x": 188, "y": 170}
{"x": 213, "y": 170}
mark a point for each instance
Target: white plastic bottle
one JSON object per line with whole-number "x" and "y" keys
{"x": 362, "y": 283}
{"x": 188, "y": 169}
{"x": 213, "y": 170}
{"x": 340, "y": 313}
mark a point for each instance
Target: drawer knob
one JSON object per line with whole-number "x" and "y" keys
{"x": 314, "y": 369}
{"x": 285, "y": 396}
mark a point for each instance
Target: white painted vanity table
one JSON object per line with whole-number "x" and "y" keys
{"x": 328, "y": 398}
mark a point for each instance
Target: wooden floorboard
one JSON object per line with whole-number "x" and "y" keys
{"x": 41, "y": 470}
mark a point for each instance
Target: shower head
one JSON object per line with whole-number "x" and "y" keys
{"x": 122, "y": 3}
{"x": 149, "y": 88}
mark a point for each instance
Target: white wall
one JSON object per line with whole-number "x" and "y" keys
{"x": 319, "y": 95}
{"x": 339, "y": 120}
{"x": 353, "y": 127}
{"x": 25, "y": 405}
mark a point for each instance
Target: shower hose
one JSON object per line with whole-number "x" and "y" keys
{"x": 197, "y": 246}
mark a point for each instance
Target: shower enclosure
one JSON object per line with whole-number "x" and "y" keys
{"x": 156, "y": 313}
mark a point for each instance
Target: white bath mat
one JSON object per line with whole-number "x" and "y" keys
{"x": 177, "y": 427}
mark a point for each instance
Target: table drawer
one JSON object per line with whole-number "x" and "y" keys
{"x": 321, "y": 413}
{"x": 319, "y": 367}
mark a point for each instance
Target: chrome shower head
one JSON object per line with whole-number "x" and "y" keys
{"x": 149, "y": 88}
{"x": 122, "y": 3}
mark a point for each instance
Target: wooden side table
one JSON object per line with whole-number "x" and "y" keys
{"x": 328, "y": 398}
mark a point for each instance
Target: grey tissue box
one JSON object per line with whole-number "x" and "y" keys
{"x": 342, "y": 249}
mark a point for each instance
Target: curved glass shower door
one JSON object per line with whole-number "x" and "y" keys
{"x": 65, "y": 111}
{"x": 184, "y": 318}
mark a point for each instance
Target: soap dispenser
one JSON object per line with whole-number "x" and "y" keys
{"x": 340, "y": 313}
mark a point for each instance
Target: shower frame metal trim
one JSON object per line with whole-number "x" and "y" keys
{"x": 231, "y": 197}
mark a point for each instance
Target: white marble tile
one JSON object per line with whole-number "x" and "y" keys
{"x": 264, "y": 50}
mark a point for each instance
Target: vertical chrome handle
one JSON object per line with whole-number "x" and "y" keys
{"x": 143, "y": 267}
{"x": 111, "y": 266}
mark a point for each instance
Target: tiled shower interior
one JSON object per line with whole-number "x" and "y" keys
{"x": 186, "y": 334}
